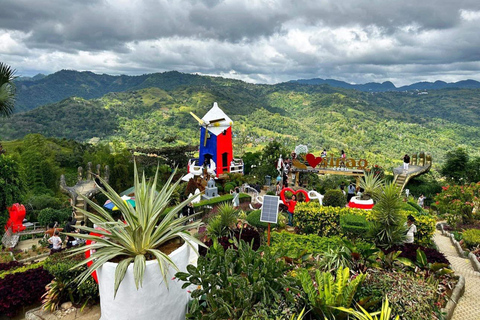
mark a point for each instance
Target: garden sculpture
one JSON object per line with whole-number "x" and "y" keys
{"x": 87, "y": 186}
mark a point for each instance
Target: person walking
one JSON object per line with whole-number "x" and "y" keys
{"x": 351, "y": 191}
{"x": 343, "y": 158}
{"x": 421, "y": 201}
{"x": 406, "y": 162}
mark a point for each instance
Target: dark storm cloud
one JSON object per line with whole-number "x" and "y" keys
{"x": 254, "y": 40}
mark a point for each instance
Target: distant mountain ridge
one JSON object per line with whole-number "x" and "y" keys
{"x": 39, "y": 90}
{"x": 389, "y": 86}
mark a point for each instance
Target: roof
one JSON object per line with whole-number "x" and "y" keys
{"x": 214, "y": 114}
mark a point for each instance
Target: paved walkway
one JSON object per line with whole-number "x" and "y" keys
{"x": 468, "y": 308}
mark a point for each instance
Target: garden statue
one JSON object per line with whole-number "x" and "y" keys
{"x": 211, "y": 190}
{"x": 87, "y": 186}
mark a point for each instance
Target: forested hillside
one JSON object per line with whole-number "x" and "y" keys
{"x": 380, "y": 127}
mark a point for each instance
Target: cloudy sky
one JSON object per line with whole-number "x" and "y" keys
{"x": 258, "y": 41}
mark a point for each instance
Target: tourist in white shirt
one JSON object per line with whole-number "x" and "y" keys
{"x": 56, "y": 242}
{"x": 411, "y": 229}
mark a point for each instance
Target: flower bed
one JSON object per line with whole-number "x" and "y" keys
{"x": 21, "y": 287}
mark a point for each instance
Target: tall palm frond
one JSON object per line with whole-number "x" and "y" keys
{"x": 7, "y": 90}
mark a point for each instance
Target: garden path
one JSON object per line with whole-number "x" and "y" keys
{"x": 468, "y": 306}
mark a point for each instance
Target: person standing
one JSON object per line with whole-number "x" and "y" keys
{"x": 411, "y": 229}
{"x": 406, "y": 162}
{"x": 351, "y": 191}
{"x": 343, "y": 158}
{"x": 236, "y": 195}
{"x": 421, "y": 201}
{"x": 291, "y": 209}
{"x": 56, "y": 242}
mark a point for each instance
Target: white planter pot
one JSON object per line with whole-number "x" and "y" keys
{"x": 151, "y": 301}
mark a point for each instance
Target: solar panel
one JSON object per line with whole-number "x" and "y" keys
{"x": 269, "y": 209}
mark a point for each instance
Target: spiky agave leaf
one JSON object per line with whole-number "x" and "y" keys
{"x": 144, "y": 229}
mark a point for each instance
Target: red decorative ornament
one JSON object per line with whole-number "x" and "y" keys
{"x": 312, "y": 160}
{"x": 89, "y": 252}
{"x": 17, "y": 214}
{"x": 361, "y": 204}
{"x": 305, "y": 194}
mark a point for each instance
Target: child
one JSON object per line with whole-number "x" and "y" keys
{"x": 291, "y": 209}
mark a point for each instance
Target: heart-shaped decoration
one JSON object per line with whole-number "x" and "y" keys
{"x": 312, "y": 160}
{"x": 282, "y": 194}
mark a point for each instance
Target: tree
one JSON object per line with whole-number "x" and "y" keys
{"x": 7, "y": 90}
{"x": 456, "y": 166}
{"x": 11, "y": 186}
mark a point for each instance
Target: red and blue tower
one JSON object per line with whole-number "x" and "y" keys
{"x": 216, "y": 140}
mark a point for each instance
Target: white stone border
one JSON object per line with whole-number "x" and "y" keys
{"x": 473, "y": 259}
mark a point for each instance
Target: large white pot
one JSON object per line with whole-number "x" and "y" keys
{"x": 151, "y": 301}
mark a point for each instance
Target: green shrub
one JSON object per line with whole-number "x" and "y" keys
{"x": 292, "y": 245}
{"x": 354, "y": 226}
{"x": 415, "y": 206}
{"x": 425, "y": 228}
{"x": 253, "y": 219}
{"x": 406, "y": 206}
{"x": 60, "y": 266}
{"x": 311, "y": 218}
{"x": 334, "y": 198}
{"x": 471, "y": 237}
{"x": 229, "y": 186}
{"x": 410, "y": 296}
{"x": 49, "y": 215}
{"x": 241, "y": 284}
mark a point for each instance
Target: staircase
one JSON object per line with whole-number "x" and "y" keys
{"x": 420, "y": 164}
{"x": 78, "y": 215}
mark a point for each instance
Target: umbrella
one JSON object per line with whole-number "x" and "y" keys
{"x": 110, "y": 205}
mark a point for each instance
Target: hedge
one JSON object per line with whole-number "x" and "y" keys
{"x": 354, "y": 226}
{"x": 311, "y": 218}
{"x": 253, "y": 219}
{"x": 293, "y": 245}
{"x": 221, "y": 199}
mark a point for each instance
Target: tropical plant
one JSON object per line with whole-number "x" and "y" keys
{"x": 7, "y": 90}
{"x": 371, "y": 184}
{"x": 238, "y": 284}
{"x": 140, "y": 234}
{"x": 387, "y": 228}
{"x": 385, "y": 313}
{"x": 327, "y": 293}
{"x": 221, "y": 224}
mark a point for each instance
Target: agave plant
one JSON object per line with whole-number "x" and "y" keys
{"x": 140, "y": 234}
{"x": 371, "y": 184}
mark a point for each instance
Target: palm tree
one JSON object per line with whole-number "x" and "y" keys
{"x": 7, "y": 90}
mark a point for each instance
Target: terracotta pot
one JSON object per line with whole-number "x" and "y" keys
{"x": 151, "y": 301}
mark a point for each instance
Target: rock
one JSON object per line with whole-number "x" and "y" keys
{"x": 66, "y": 305}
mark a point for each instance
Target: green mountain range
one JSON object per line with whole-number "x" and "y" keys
{"x": 380, "y": 127}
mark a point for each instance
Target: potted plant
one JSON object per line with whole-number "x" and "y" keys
{"x": 134, "y": 274}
